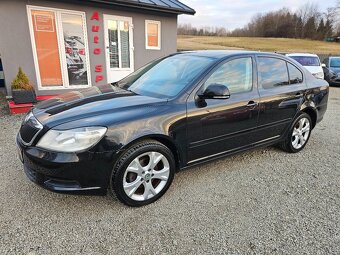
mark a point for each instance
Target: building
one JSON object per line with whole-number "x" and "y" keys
{"x": 72, "y": 44}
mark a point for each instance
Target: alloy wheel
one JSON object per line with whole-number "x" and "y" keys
{"x": 301, "y": 133}
{"x": 146, "y": 176}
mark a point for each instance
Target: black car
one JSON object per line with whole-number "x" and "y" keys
{"x": 132, "y": 136}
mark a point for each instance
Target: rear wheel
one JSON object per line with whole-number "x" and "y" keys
{"x": 298, "y": 135}
{"x": 143, "y": 173}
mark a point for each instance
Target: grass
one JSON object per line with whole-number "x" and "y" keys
{"x": 259, "y": 44}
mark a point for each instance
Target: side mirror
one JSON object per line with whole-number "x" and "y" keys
{"x": 323, "y": 65}
{"x": 216, "y": 91}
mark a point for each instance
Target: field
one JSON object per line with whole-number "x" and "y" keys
{"x": 258, "y": 44}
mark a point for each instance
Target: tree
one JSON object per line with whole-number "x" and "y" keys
{"x": 306, "y": 22}
{"x": 328, "y": 28}
{"x": 310, "y": 28}
{"x": 321, "y": 32}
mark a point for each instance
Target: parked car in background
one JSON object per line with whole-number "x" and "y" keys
{"x": 310, "y": 61}
{"x": 330, "y": 76}
{"x": 333, "y": 65}
{"x": 182, "y": 110}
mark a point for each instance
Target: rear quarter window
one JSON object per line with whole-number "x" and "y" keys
{"x": 295, "y": 75}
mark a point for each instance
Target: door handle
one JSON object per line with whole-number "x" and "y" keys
{"x": 251, "y": 104}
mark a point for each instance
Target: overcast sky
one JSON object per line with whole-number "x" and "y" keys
{"x": 233, "y": 14}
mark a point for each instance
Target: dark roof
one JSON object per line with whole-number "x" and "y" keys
{"x": 217, "y": 54}
{"x": 220, "y": 54}
{"x": 170, "y": 6}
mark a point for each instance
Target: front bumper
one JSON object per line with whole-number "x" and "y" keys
{"x": 84, "y": 173}
{"x": 335, "y": 80}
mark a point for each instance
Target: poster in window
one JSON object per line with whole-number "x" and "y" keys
{"x": 152, "y": 35}
{"x": 44, "y": 22}
{"x": 46, "y": 43}
{"x": 75, "y": 51}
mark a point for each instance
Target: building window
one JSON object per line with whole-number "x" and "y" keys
{"x": 60, "y": 48}
{"x": 153, "y": 35}
{"x": 119, "y": 43}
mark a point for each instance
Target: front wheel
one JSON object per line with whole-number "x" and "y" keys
{"x": 298, "y": 135}
{"x": 143, "y": 173}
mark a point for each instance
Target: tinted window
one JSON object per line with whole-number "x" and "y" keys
{"x": 335, "y": 62}
{"x": 165, "y": 78}
{"x": 272, "y": 72}
{"x": 307, "y": 61}
{"x": 236, "y": 74}
{"x": 295, "y": 75}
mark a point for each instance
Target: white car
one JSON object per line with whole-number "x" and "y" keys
{"x": 310, "y": 61}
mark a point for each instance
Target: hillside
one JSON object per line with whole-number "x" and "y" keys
{"x": 260, "y": 44}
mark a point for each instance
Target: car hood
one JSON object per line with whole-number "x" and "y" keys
{"x": 87, "y": 103}
{"x": 335, "y": 69}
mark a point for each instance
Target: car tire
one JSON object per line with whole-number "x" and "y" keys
{"x": 298, "y": 134}
{"x": 143, "y": 173}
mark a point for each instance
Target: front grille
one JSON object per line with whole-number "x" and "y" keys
{"x": 27, "y": 132}
{"x": 30, "y": 129}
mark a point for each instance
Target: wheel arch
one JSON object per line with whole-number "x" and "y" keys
{"x": 312, "y": 114}
{"x": 163, "y": 139}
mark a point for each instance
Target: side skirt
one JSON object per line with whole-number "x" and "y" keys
{"x": 208, "y": 159}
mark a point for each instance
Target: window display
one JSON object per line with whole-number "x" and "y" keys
{"x": 46, "y": 44}
{"x": 60, "y": 48}
{"x": 74, "y": 48}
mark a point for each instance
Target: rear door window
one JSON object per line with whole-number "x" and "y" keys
{"x": 272, "y": 72}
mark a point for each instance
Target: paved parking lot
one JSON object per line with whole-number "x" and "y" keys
{"x": 260, "y": 202}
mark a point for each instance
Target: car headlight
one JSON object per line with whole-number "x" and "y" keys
{"x": 319, "y": 75}
{"x": 72, "y": 140}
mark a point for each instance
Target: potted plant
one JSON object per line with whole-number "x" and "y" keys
{"x": 22, "y": 89}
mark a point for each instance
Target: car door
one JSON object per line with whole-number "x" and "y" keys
{"x": 218, "y": 126}
{"x": 282, "y": 88}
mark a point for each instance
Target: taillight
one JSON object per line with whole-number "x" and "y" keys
{"x": 82, "y": 51}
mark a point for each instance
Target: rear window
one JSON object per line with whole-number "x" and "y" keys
{"x": 307, "y": 61}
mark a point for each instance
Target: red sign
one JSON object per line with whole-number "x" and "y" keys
{"x": 97, "y": 51}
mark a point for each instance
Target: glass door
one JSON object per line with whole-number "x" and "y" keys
{"x": 119, "y": 47}
{"x": 60, "y": 48}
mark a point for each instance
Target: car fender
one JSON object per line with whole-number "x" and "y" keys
{"x": 168, "y": 141}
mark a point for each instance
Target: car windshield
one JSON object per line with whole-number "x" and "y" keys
{"x": 307, "y": 61}
{"x": 167, "y": 77}
{"x": 335, "y": 62}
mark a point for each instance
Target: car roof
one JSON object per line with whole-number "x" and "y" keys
{"x": 220, "y": 54}
{"x": 301, "y": 55}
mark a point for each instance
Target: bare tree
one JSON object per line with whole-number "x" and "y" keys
{"x": 306, "y": 22}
